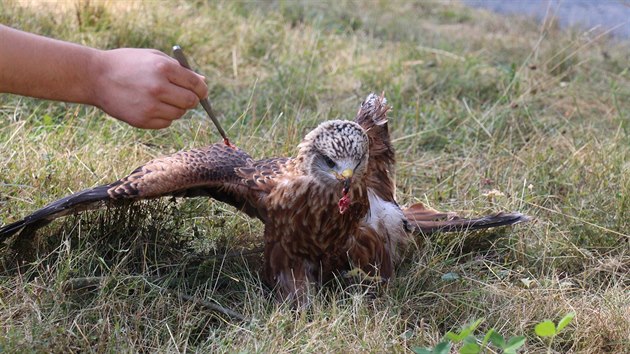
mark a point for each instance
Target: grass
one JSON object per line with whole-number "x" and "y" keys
{"x": 480, "y": 103}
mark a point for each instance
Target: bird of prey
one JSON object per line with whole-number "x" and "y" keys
{"x": 330, "y": 209}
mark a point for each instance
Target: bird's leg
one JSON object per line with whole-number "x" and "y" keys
{"x": 291, "y": 276}
{"x": 370, "y": 258}
{"x": 294, "y": 286}
{"x": 302, "y": 288}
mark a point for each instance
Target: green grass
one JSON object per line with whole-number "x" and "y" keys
{"x": 480, "y": 102}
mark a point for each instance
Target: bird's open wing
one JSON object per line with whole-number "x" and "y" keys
{"x": 372, "y": 117}
{"x": 209, "y": 171}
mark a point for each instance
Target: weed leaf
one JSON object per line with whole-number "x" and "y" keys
{"x": 497, "y": 339}
{"x": 458, "y": 337}
{"x": 565, "y": 321}
{"x": 486, "y": 338}
{"x": 513, "y": 344}
{"x": 442, "y": 348}
{"x": 470, "y": 339}
{"x": 453, "y": 337}
{"x": 545, "y": 329}
{"x": 470, "y": 348}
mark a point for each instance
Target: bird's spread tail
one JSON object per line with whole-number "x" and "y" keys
{"x": 427, "y": 221}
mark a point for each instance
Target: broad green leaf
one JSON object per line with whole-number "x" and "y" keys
{"x": 419, "y": 350}
{"x": 514, "y": 343}
{"x": 565, "y": 321}
{"x": 545, "y": 329}
{"x": 486, "y": 338}
{"x": 455, "y": 337}
{"x": 470, "y": 339}
{"x": 476, "y": 324}
{"x": 442, "y": 348}
{"x": 458, "y": 337}
{"x": 470, "y": 348}
{"x": 497, "y": 339}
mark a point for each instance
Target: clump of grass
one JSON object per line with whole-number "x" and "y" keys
{"x": 488, "y": 114}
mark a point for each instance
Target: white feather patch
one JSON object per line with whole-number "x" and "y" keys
{"x": 388, "y": 220}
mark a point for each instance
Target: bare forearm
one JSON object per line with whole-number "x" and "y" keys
{"x": 37, "y": 66}
{"x": 143, "y": 87}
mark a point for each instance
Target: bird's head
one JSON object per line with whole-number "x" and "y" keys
{"x": 335, "y": 154}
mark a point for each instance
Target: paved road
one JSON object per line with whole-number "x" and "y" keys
{"x": 600, "y": 14}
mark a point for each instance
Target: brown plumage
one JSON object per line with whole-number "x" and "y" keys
{"x": 330, "y": 209}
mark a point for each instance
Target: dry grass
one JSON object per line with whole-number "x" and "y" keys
{"x": 480, "y": 103}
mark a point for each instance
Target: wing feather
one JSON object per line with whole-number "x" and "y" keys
{"x": 209, "y": 171}
{"x": 372, "y": 117}
{"x": 264, "y": 174}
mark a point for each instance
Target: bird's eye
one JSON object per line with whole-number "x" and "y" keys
{"x": 329, "y": 161}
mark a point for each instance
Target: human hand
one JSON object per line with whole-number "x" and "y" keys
{"x": 145, "y": 87}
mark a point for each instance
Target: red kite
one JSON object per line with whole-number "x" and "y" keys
{"x": 330, "y": 209}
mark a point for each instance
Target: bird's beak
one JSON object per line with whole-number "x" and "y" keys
{"x": 347, "y": 178}
{"x": 346, "y": 186}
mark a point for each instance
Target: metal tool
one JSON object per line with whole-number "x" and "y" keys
{"x": 178, "y": 53}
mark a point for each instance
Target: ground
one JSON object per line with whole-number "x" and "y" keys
{"x": 489, "y": 113}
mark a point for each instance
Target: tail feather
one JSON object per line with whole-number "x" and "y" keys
{"x": 85, "y": 200}
{"x": 427, "y": 221}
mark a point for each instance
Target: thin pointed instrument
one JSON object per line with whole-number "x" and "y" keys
{"x": 178, "y": 53}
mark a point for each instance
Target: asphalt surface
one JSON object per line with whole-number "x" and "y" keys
{"x": 597, "y": 15}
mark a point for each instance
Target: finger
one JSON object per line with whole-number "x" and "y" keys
{"x": 166, "y": 111}
{"x": 153, "y": 123}
{"x": 158, "y": 52}
{"x": 189, "y": 80}
{"x": 177, "y": 96}
{"x": 159, "y": 124}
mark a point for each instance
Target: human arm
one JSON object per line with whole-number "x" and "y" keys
{"x": 143, "y": 87}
